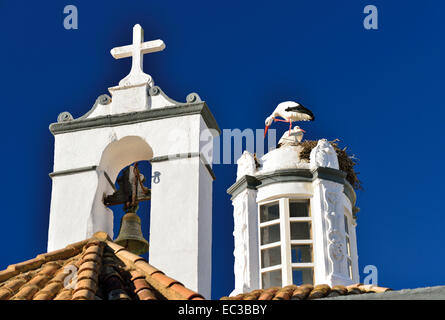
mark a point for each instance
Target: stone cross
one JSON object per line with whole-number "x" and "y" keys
{"x": 136, "y": 51}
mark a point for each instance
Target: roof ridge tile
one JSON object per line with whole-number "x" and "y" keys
{"x": 88, "y": 271}
{"x": 28, "y": 265}
{"x": 7, "y": 274}
{"x": 166, "y": 286}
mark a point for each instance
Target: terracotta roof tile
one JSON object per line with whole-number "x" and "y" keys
{"x": 5, "y": 294}
{"x": 146, "y": 268}
{"x": 268, "y": 294}
{"x": 29, "y": 264}
{"x": 284, "y": 293}
{"x": 8, "y": 273}
{"x": 302, "y": 292}
{"x": 338, "y": 291}
{"x": 87, "y": 284}
{"x": 353, "y": 289}
{"x": 89, "y": 265}
{"x": 164, "y": 280}
{"x": 319, "y": 291}
{"x": 88, "y": 274}
{"x": 58, "y": 254}
{"x": 83, "y": 294}
{"x": 11, "y": 287}
{"x": 65, "y": 294}
{"x": 49, "y": 291}
{"x": 40, "y": 280}
{"x": 103, "y": 271}
{"x": 305, "y": 291}
{"x": 254, "y": 295}
{"x": 165, "y": 286}
{"x": 50, "y": 268}
{"x": 237, "y": 297}
{"x": 185, "y": 293}
{"x": 26, "y": 292}
{"x": 142, "y": 288}
{"x": 94, "y": 248}
{"x": 118, "y": 294}
{"x": 372, "y": 289}
{"x": 126, "y": 255}
{"x": 146, "y": 294}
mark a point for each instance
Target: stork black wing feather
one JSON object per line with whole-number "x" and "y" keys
{"x": 302, "y": 109}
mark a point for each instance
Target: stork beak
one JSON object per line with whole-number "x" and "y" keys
{"x": 303, "y": 130}
{"x": 265, "y": 131}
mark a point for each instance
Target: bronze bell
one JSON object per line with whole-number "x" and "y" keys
{"x": 130, "y": 234}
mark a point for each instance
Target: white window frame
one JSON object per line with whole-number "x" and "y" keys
{"x": 285, "y": 242}
{"x": 270, "y": 245}
{"x": 290, "y": 242}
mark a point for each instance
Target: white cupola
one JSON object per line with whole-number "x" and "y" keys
{"x": 294, "y": 219}
{"x": 139, "y": 122}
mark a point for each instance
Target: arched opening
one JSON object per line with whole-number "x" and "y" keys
{"x": 123, "y": 152}
{"x": 143, "y": 211}
{"x": 116, "y": 157}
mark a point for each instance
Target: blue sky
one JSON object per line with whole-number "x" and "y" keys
{"x": 379, "y": 91}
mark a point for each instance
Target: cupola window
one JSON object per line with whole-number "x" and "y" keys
{"x": 286, "y": 251}
{"x": 301, "y": 242}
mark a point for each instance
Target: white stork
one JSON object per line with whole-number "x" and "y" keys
{"x": 296, "y": 135}
{"x": 290, "y": 111}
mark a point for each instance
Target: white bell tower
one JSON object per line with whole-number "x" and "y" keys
{"x": 139, "y": 122}
{"x": 294, "y": 219}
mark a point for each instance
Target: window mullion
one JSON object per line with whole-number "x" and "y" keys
{"x": 285, "y": 242}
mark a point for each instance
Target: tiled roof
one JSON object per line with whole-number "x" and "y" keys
{"x": 306, "y": 292}
{"x": 105, "y": 271}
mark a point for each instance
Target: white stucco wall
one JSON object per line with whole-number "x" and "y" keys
{"x": 181, "y": 222}
{"x": 72, "y": 196}
{"x": 283, "y": 189}
{"x": 329, "y": 234}
{"x": 245, "y": 235}
{"x": 164, "y": 136}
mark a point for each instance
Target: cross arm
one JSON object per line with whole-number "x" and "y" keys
{"x": 145, "y": 47}
{"x": 152, "y": 46}
{"x": 122, "y": 52}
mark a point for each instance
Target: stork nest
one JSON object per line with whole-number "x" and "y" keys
{"x": 346, "y": 162}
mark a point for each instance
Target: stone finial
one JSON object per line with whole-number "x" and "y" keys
{"x": 324, "y": 155}
{"x": 246, "y": 165}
